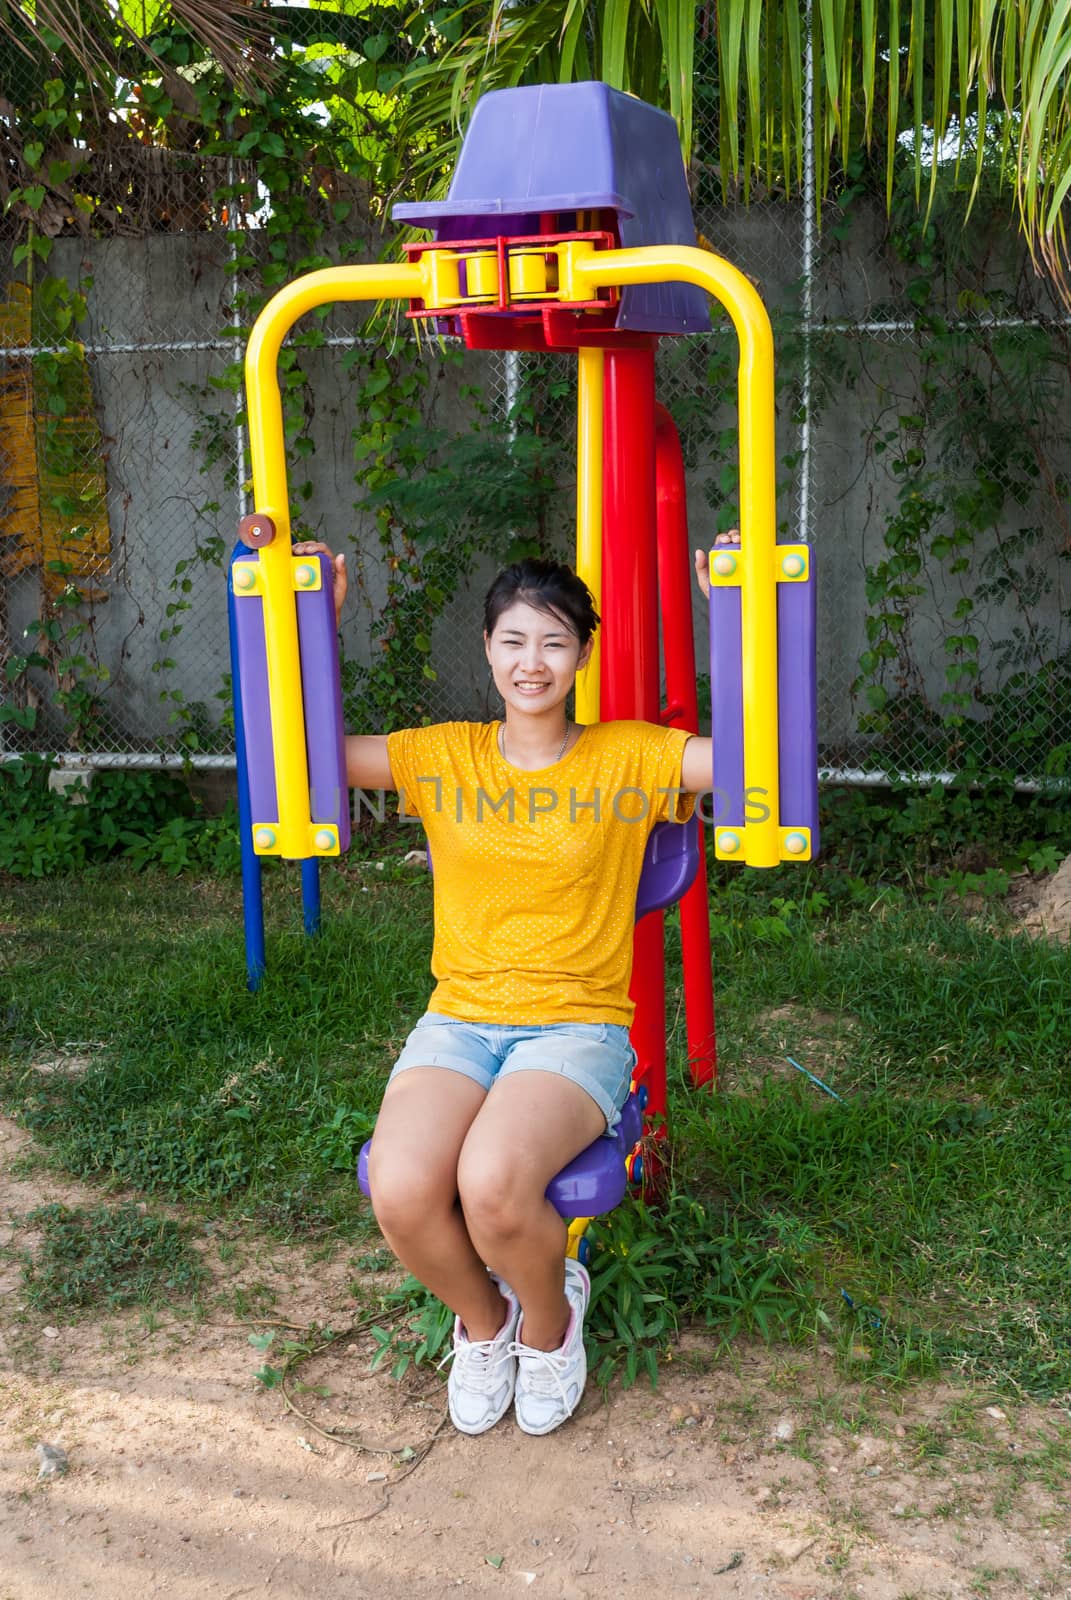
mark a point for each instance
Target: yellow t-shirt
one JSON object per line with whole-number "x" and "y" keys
{"x": 536, "y": 872}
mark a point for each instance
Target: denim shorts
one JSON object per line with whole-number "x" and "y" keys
{"x": 596, "y": 1055}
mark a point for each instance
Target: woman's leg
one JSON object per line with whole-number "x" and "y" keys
{"x": 412, "y": 1171}
{"x": 530, "y": 1126}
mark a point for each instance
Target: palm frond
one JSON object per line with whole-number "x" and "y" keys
{"x": 238, "y": 37}
{"x": 994, "y": 74}
{"x": 939, "y": 75}
{"x": 1044, "y": 152}
{"x": 631, "y": 44}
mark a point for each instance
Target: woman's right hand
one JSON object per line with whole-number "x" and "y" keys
{"x": 312, "y": 547}
{"x": 702, "y": 560}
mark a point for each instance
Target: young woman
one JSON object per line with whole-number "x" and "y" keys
{"x": 537, "y": 828}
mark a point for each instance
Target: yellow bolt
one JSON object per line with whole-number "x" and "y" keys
{"x": 729, "y": 842}
{"x": 724, "y": 565}
{"x": 792, "y": 566}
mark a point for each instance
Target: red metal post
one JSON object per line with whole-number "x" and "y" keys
{"x": 678, "y": 648}
{"x": 630, "y": 666}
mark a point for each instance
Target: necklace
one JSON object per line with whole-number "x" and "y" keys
{"x": 557, "y": 758}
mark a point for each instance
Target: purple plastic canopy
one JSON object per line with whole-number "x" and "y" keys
{"x": 569, "y": 147}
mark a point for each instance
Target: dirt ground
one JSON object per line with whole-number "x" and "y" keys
{"x": 758, "y": 1475}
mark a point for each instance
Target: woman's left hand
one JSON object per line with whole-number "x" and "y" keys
{"x": 702, "y": 559}
{"x": 340, "y": 582}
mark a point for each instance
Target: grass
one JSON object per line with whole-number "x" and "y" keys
{"x": 918, "y": 1220}
{"x": 937, "y": 1184}
{"x": 106, "y": 1256}
{"x": 197, "y": 1089}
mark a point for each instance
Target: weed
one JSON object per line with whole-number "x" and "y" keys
{"x": 840, "y": 1552}
{"x": 992, "y": 884}
{"x": 107, "y": 1257}
{"x": 374, "y": 1261}
{"x": 927, "y": 1441}
{"x": 418, "y": 1331}
{"x": 335, "y": 1145}
{"x": 148, "y": 818}
{"x": 251, "y": 1300}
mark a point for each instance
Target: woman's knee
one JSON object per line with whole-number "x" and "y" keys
{"x": 403, "y": 1198}
{"x": 496, "y": 1198}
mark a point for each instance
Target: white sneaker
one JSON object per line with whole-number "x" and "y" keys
{"x": 550, "y": 1382}
{"x": 484, "y": 1371}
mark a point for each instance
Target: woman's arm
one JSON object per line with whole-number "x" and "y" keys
{"x": 367, "y": 765}
{"x": 697, "y": 766}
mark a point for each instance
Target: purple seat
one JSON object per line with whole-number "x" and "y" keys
{"x": 670, "y": 864}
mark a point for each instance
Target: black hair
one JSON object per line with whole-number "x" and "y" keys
{"x": 549, "y": 586}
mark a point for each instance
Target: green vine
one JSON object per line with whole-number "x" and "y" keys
{"x": 972, "y": 455}
{"x": 59, "y": 641}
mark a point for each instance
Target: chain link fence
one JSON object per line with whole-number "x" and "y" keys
{"x": 923, "y": 445}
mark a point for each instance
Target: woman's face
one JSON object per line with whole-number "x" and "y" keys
{"x": 534, "y": 657}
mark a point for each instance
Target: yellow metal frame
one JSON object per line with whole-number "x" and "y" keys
{"x": 583, "y": 271}
{"x": 590, "y": 367}
{"x": 588, "y": 271}
{"x": 577, "y": 1229}
{"x": 248, "y": 577}
{"x": 794, "y": 844}
{"x": 275, "y": 561}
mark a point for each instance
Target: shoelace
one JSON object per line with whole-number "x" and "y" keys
{"x": 543, "y": 1374}
{"x": 473, "y": 1361}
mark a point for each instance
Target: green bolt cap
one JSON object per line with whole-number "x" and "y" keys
{"x": 305, "y": 576}
{"x": 264, "y": 837}
{"x": 324, "y": 838}
{"x": 244, "y": 576}
{"x": 795, "y": 843}
{"x": 792, "y": 566}
{"x": 729, "y": 842}
{"x": 724, "y": 564}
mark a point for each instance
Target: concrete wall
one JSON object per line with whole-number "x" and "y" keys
{"x": 159, "y": 403}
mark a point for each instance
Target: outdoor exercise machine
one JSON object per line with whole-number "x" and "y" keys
{"x": 568, "y": 229}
